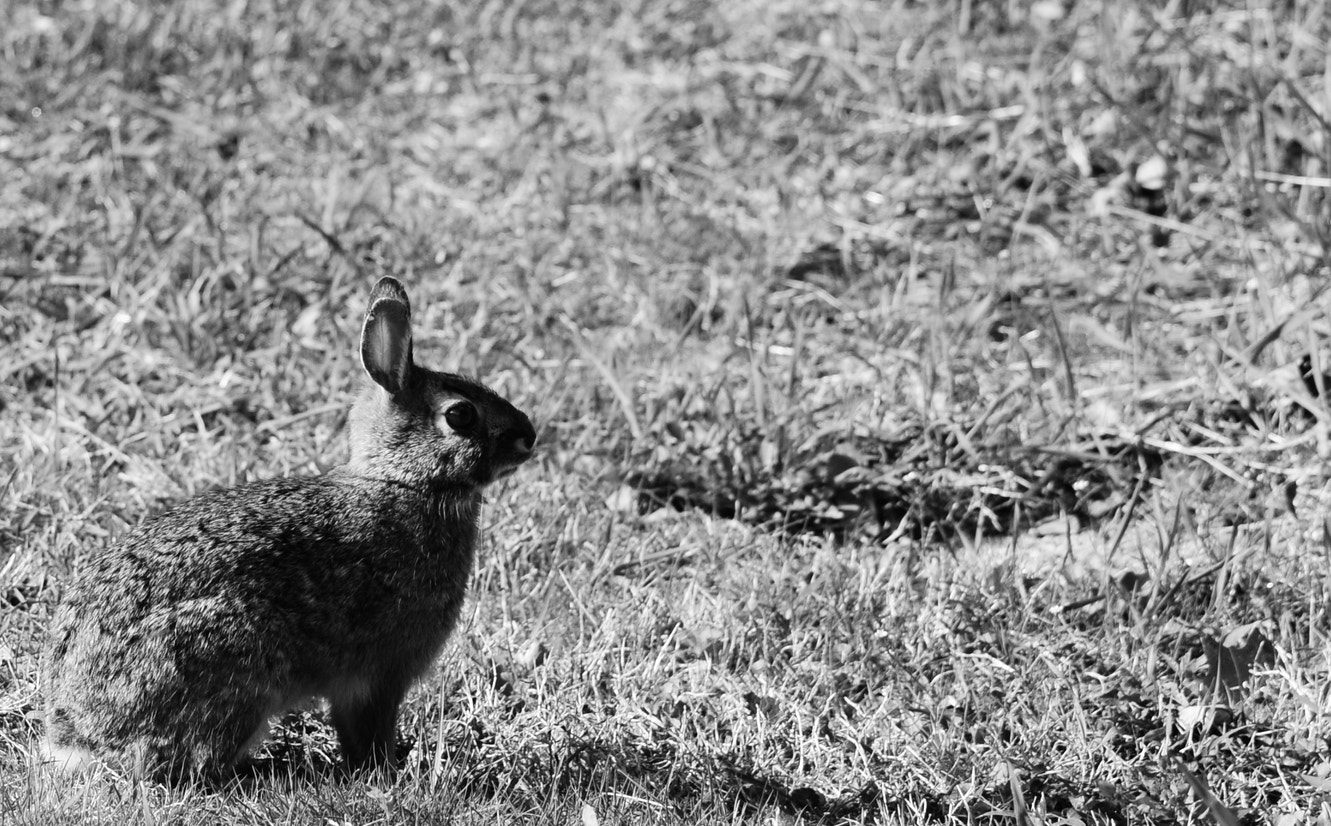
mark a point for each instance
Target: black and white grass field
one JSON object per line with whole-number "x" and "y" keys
{"x": 931, "y": 398}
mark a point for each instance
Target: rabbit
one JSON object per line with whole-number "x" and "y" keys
{"x": 174, "y": 648}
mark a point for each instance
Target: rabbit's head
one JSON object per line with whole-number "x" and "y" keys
{"x": 418, "y": 426}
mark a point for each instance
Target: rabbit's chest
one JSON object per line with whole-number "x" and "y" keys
{"x": 404, "y": 641}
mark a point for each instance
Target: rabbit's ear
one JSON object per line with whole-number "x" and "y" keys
{"x": 385, "y": 341}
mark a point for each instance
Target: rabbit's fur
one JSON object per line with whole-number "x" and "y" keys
{"x": 175, "y": 647}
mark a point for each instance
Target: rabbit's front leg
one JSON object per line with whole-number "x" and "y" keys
{"x": 367, "y": 726}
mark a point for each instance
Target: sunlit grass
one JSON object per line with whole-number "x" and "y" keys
{"x": 920, "y": 392}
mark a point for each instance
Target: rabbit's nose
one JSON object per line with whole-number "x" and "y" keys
{"x": 522, "y": 439}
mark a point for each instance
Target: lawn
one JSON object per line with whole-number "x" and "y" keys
{"x": 931, "y": 398}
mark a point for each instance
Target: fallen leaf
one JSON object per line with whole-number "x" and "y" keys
{"x": 1152, "y": 172}
{"x": 589, "y": 817}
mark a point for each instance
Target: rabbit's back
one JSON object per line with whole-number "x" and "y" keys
{"x": 331, "y": 552}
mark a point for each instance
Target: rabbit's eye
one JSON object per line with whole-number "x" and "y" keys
{"x": 461, "y": 416}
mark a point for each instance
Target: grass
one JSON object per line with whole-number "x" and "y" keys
{"x": 932, "y": 398}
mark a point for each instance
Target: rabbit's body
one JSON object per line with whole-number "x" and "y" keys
{"x": 175, "y": 648}
{"x": 216, "y": 590}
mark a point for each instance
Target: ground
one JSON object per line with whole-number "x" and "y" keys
{"x": 931, "y": 397}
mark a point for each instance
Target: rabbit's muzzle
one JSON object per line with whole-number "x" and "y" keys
{"x": 513, "y": 446}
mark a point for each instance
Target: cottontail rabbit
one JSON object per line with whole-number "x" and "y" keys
{"x": 175, "y": 647}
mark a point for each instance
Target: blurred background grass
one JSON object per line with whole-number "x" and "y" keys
{"x": 931, "y": 395}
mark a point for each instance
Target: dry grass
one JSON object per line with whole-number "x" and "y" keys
{"x": 932, "y": 399}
